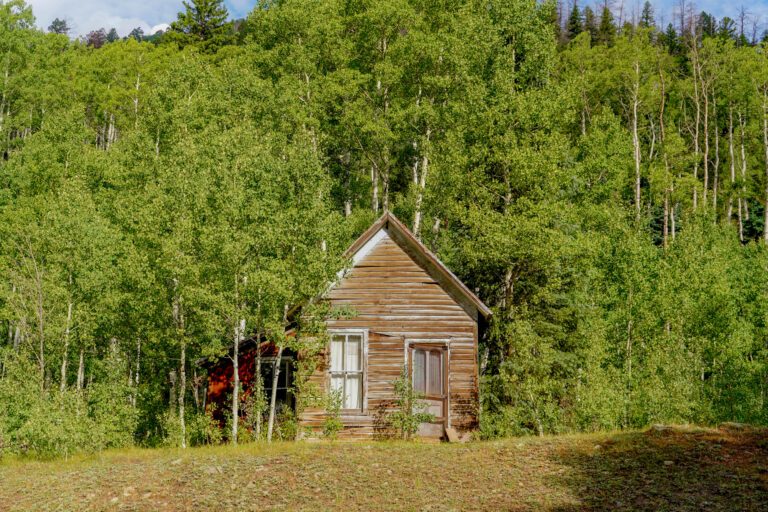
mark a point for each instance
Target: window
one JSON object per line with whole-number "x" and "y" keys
{"x": 284, "y": 393}
{"x": 347, "y": 368}
{"x": 283, "y": 378}
{"x": 428, "y": 371}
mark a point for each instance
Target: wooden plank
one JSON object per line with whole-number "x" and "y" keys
{"x": 394, "y": 298}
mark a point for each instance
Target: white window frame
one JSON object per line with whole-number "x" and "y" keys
{"x": 363, "y": 333}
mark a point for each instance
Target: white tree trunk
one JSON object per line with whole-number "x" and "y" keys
{"x": 374, "y": 189}
{"x": 136, "y": 377}
{"x": 732, "y": 160}
{"x": 273, "y": 398}
{"x": 81, "y": 371}
{"x": 742, "y": 123}
{"x": 259, "y": 385}
{"x": 66, "y": 348}
{"x": 239, "y": 330}
{"x": 697, "y": 99}
{"x": 182, "y": 392}
{"x": 706, "y": 144}
{"x": 422, "y": 184}
{"x": 716, "y": 167}
{"x": 636, "y": 138}
{"x": 765, "y": 148}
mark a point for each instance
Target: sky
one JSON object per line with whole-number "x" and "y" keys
{"x": 666, "y": 9}
{"x": 82, "y": 16}
{"x": 151, "y": 15}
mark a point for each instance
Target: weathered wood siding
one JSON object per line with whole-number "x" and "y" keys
{"x": 398, "y": 303}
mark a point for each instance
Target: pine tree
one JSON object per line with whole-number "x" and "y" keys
{"x": 727, "y": 28}
{"x": 606, "y": 32}
{"x": 590, "y": 24}
{"x": 112, "y": 35}
{"x": 59, "y": 26}
{"x": 204, "y": 23}
{"x": 137, "y": 33}
{"x": 556, "y": 20}
{"x": 708, "y": 24}
{"x": 646, "y": 17}
{"x": 669, "y": 39}
{"x": 575, "y": 25}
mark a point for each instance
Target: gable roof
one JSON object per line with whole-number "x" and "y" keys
{"x": 390, "y": 225}
{"x": 397, "y": 231}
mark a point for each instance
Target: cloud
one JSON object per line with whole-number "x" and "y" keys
{"x": 156, "y": 28}
{"x": 86, "y": 15}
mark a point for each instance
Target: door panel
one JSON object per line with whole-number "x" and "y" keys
{"x": 435, "y": 407}
{"x": 428, "y": 363}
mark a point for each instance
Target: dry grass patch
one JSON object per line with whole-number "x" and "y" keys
{"x": 674, "y": 469}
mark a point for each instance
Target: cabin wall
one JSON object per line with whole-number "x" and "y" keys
{"x": 220, "y": 379}
{"x": 397, "y": 302}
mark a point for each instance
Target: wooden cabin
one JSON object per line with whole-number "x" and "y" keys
{"x": 410, "y": 311}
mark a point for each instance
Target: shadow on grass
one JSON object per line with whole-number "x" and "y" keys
{"x": 669, "y": 469}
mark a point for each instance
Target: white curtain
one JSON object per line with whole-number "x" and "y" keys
{"x": 337, "y": 353}
{"x": 353, "y": 359}
{"x": 354, "y": 392}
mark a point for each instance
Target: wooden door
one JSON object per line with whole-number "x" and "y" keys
{"x": 428, "y": 374}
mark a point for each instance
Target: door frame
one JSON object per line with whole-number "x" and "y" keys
{"x": 444, "y": 346}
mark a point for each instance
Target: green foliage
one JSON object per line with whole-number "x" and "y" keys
{"x": 606, "y": 200}
{"x": 287, "y": 426}
{"x": 54, "y": 423}
{"x": 203, "y": 429}
{"x": 574, "y": 26}
{"x": 332, "y": 424}
{"x": 410, "y": 408}
{"x": 606, "y": 30}
{"x": 203, "y": 23}
{"x": 647, "y": 19}
{"x": 59, "y": 26}
{"x": 254, "y": 405}
{"x": 172, "y": 434}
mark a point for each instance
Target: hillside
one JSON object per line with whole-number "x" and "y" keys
{"x": 601, "y": 185}
{"x": 677, "y": 469}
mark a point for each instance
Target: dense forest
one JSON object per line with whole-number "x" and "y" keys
{"x": 602, "y": 188}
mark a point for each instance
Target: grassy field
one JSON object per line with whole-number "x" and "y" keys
{"x": 675, "y": 469}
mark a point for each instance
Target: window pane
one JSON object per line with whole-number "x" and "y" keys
{"x": 419, "y": 360}
{"x": 354, "y": 392}
{"x": 435, "y": 377}
{"x": 337, "y": 383}
{"x": 282, "y": 379}
{"x": 266, "y": 374}
{"x": 337, "y": 352}
{"x": 353, "y": 360}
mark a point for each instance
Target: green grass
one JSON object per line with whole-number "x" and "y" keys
{"x": 675, "y": 470}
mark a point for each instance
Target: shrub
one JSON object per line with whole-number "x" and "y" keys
{"x": 253, "y": 406}
{"x": 51, "y": 423}
{"x": 203, "y": 429}
{"x": 411, "y": 408}
{"x": 332, "y": 424}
